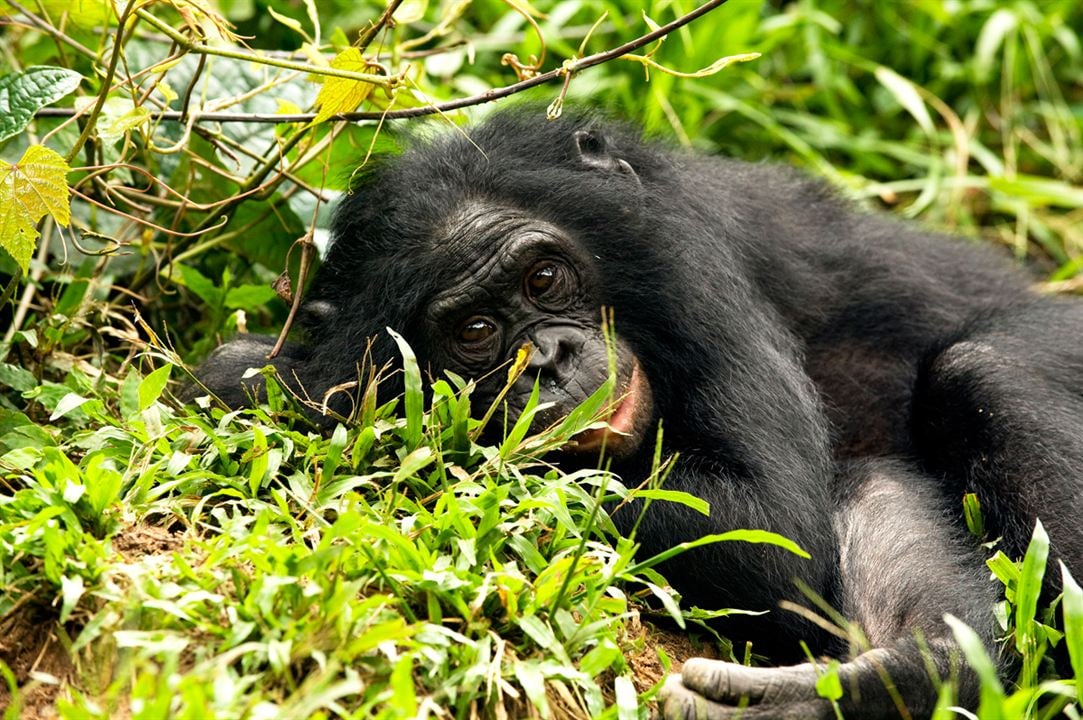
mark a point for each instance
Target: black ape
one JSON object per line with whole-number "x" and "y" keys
{"x": 833, "y": 376}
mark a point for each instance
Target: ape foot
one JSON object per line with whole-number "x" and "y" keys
{"x": 716, "y": 690}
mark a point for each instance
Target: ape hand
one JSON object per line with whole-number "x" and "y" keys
{"x": 717, "y": 690}
{"x": 881, "y": 683}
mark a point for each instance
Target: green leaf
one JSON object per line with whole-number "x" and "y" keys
{"x": 1073, "y": 622}
{"x": 343, "y": 95}
{"x": 991, "y": 706}
{"x": 67, "y": 403}
{"x": 248, "y": 297}
{"x": 975, "y": 521}
{"x": 906, "y": 94}
{"x": 23, "y": 94}
{"x": 71, "y": 589}
{"x": 751, "y": 536}
{"x": 627, "y": 698}
{"x": 1039, "y": 191}
{"x": 688, "y": 500}
{"x": 828, "y": 685}
{"x": 415, "y": 396}
{"x": 17, "y": 378}
{"x": 1030, "y": 580}
{"x": 200, "y": 284}
{"x": 150, "y": 389}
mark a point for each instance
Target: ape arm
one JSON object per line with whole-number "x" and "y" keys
{"x": 902, "y": 569}
{"x": 221, "y": 373}
{"x": 752, "y": 576}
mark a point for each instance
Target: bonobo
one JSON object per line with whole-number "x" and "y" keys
{"x": 835, "y": 376}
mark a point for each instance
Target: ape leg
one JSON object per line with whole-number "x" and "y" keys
{"x": 1001, "y": 414}
{"x": 902, "y": 567}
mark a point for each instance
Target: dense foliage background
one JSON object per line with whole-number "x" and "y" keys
{"x": 157, "y": 561}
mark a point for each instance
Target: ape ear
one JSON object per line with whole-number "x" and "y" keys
{"x": 595, "y": 152}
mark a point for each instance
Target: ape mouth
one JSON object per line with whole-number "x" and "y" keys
{"x": 621, "y": 434}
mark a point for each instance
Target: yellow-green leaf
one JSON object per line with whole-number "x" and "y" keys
{"x": 340, "y": 95}
{"x": 29, "y": 189}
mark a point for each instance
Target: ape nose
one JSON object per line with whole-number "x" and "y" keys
{"x": 556, "y": 350}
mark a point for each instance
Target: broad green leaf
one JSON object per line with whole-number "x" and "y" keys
{"x": 30, "y": 189}
{"x": 151, "y": 387}
{"x": 248, "y": 297}
{"x": 23, "y": 94}
{"x": 341, "y": 95}
{"x": 414, "y": 463}
{"x": 67, "y": 403}
{"x": 17, "y": 378}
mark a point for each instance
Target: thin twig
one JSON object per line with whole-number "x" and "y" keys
{"x": 204, "y": 49}
{"x": 369, "y": 33}
{"x": 569, "y": 67}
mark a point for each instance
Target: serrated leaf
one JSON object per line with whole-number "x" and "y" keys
{"x": 29, "y": 189}
{"x": 23, "y": 94}
{"x": 341, "y": 95}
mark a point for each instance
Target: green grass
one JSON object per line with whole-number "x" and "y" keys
{"x": 211, "y": 564}
{"x": 159, "y": 561}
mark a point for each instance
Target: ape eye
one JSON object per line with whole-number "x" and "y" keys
{"x": 476, "y": 330}
{"x": 547, "y": 280}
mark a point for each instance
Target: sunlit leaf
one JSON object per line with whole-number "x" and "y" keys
{"x": 341, "y": 95}
{"x": 151, "y": 387}
{"x": 30, "y": 189}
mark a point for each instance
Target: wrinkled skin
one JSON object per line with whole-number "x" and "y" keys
{"x": 833, "y": 376}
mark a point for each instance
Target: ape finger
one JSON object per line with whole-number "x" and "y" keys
{"x": 681, "y": 703}
{"x": 729, "y": 682}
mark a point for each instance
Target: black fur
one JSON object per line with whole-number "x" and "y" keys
{"x": 839, "y": 377}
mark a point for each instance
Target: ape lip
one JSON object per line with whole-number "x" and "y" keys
{"x": 620, "y": 425}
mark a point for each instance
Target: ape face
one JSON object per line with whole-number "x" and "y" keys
{"x": 525, "y": 283}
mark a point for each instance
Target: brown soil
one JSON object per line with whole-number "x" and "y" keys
{"x": 678, "y": 645}
{"x": 30, "y": 644}
{"x": 31, "y": 649}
